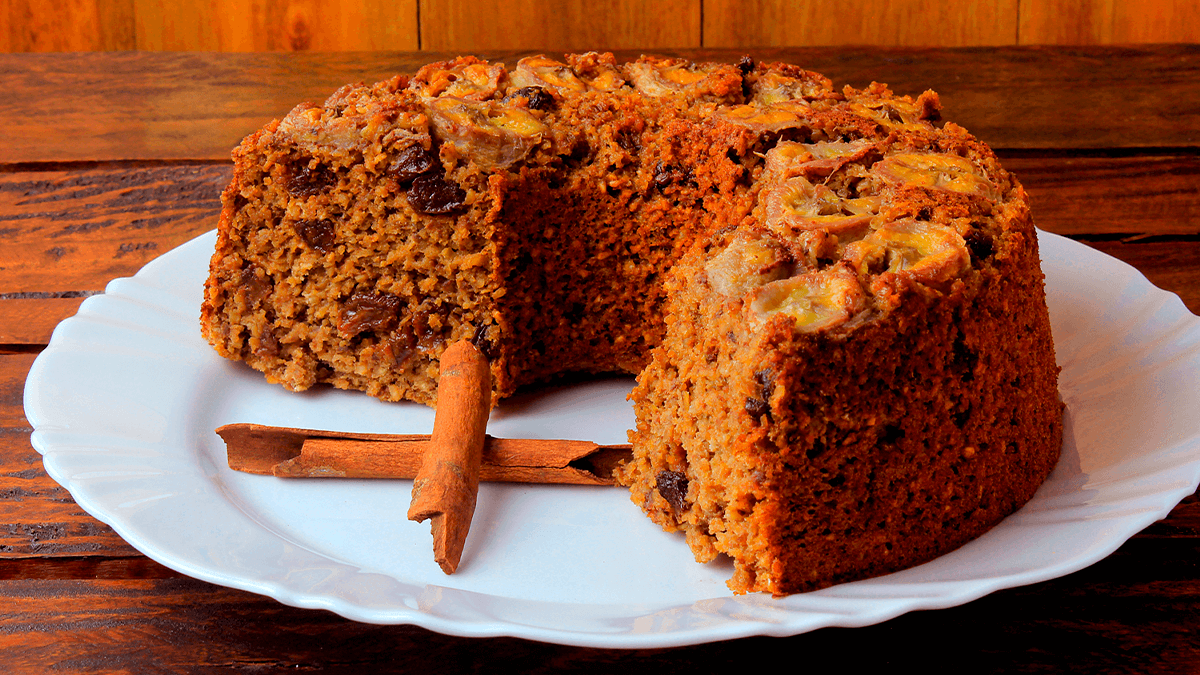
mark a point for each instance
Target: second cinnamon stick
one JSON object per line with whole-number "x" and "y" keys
{"x": 447, "y": 484}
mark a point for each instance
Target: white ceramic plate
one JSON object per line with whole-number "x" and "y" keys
{"x": 125, "y": 399}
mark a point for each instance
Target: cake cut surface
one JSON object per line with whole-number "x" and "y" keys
{"x": 833, "y": 301}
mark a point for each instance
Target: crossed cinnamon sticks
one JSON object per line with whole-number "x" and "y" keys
{"x": 446, "y": 466}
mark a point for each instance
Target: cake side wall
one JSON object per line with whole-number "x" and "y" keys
{"x": 325, "y": 273}
{"x": 914, "y": 437}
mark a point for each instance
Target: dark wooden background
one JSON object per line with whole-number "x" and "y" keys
{"x": 109, "y": 160}
{"x": 474, "y": 25}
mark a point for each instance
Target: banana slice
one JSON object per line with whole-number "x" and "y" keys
{"x": 465, "y": 77}
{"x": 491, "y": 135}
{"x": 744, "y": 265}
{"x": 923, "y": 251}
{"x": 947, "y": 173}
{"x": 815, "y": 301}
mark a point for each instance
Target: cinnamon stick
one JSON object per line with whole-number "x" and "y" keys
{"x": 288, "y": 452}
{"x": 447, "y": 484}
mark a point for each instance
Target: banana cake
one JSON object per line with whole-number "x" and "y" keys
{"x": 832, "y": 300}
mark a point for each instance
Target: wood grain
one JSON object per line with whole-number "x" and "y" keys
{"x": 171, "y": 106}
{"x": 276, "y": 25}
{"x": 77, "y": 230}
{"x": 1086, "y": 22}
{"x": 1116, "y": 196}
{"x": 583, "y": 25}
{"x": 1119, "y": 615}
{"x": 913, "y": 23}
{"x": 66, "y": 25}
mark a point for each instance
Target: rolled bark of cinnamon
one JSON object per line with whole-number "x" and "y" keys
{"x": 289, "y": 452}
{"x": 447, "y": 484}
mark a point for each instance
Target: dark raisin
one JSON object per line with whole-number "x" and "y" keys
{"x": 257, "y": 284}
{"x": 433, "y": 195}
{"x": 757, "y": 407}
{"x": 488, "y": 348}
{"x": 400, "y": 345}
{"x": 666, "y": 175}
{"x": 817, "y": 449}
{"x": 745, "y": 64}
{"x": 630, "y": 141}
{"x": 370, "y": 311}
{"x": 765, "y": 379}
{"x": 318, "y": 234}
{"x": 536, "y": 98}
{"x": 673, "y": 486}
{"x": 960, "y": 419}
{"x": 575, "y": 312}
{"x": 411, "y": 162}
{"x": 307, "y": 180}
{"x": 980, "y": 244}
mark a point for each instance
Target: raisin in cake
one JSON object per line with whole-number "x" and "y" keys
{"x": 834, "y": 305}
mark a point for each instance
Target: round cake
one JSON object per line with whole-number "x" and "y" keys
{"x": 833, "y": 301}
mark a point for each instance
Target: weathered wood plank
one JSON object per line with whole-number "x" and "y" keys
{"x": 1112, "y": 195}
{"x": 78, "y": 25}
{"x": 30, "y": 321}
{"x": 1087, "y": 22}
{"x": 474, "y": 25}
{"x": 69, "y": 107}
{"x": 913, "y": 23}
{"x": 276, "y": 25}
{"x": 1136, "y": 609}
{"x": 76, "y": 230}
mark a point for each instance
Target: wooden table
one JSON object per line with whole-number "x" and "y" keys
{"x": 109, "y": 160}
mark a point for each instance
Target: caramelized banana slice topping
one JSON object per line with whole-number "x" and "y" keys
{"x": 815, "y": 301}
{"x": 491, "y": 135}
{"x": 924, "y": 251}
{"x": 895, "y": 112}
{"x": 948, "y": 173}
{"x": 744, "y": 265}
{"x": 598, "y": 71}
{"x": 811, "y": 160}
{"x": 465, "y": 77}
{"x": 766, "y": 118}
{"x": 775, "y": 85}
{"x": 661, "y": 77}
{"x": 539, "y": 71}
{"x": 796, "y": 205}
